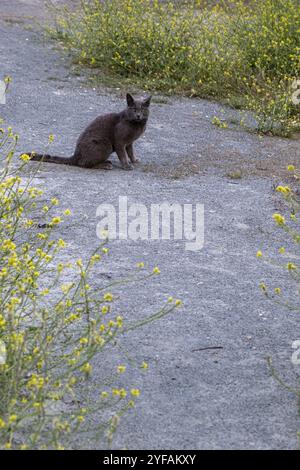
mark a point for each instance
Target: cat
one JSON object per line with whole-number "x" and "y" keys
{"x": 109, "y": 133}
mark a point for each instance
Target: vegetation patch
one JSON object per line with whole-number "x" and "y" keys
{"x": 287, "y": 296}
{"x": 244, "y": 53}
{"x": 55, "y": 322}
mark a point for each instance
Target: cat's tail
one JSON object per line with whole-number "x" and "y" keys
{"x": 51, "y": 158}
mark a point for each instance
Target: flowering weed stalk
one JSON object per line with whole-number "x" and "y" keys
{"x": 244, "y": 53}
{"x": 289, "y": 223}
{"x": 52, "y": 331}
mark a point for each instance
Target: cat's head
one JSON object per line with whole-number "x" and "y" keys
{"x": 137, "y": 110}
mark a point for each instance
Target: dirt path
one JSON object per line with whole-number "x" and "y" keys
{"x": 192, "y": 398}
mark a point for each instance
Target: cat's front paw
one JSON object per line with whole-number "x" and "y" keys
{"x": 135, "y": 160}
{"x": 127, "y": 166}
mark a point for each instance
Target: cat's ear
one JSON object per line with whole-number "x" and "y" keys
{"x": 129, "y": 99}
{"x": 147, "y": 101}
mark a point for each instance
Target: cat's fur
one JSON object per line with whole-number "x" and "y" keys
{"x": 109, "y": 133}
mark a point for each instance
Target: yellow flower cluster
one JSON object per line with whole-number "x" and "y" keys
{"x": 279, "y": 219}
{"x": 283, "y": 189}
